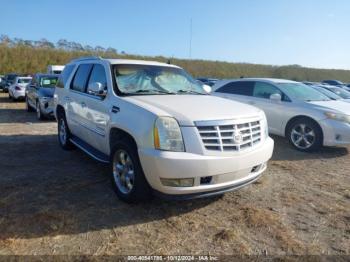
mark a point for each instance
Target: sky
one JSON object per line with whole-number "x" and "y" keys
{"x": 312, "y": 33}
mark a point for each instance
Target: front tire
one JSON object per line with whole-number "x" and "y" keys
{"x": 39, "y": 114}
{"x": 28, "y": 107}
{"x": 128, "y": 179}
{"x": 64, "y": 134}
{"x": 305, "y": 134}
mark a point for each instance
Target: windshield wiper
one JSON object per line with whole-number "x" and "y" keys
{"x": 318, "y": 100}
{"x": 151, "y": 91}
{"x": 190, "y": 92}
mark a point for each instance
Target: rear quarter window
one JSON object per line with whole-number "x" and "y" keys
{"x": 64, "y": 76}
{"x": 244, "y": 88}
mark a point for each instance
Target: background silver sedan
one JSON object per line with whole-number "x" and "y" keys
{"x": 305, "y": 116}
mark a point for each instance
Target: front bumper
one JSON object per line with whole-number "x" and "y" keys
{"x": 228, "y": 173}
{"x": 47, "y": 107}
{"x": 335, "y": 133}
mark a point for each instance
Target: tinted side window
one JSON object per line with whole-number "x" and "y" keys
{"x": 265, "y": 90}
{"x": 98, "y": 74}
{"x": 81, "y": 77}
{"x": 64, "y": 76}
{"x": 244, "y": 88}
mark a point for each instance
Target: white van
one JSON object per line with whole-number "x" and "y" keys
{"x": 55, "y": 69}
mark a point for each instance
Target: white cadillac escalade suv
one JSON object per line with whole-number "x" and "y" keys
{"x": 160, "y": 132}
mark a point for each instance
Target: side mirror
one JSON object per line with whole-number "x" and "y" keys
{"x": 276, "y": 97}
{"x": 96, "y": 89}
{"x": 207, "y": 88}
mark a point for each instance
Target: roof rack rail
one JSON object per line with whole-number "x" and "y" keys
{"x": 87, "y": 58}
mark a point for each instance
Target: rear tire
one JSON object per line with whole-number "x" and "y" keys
{"x": 64, "y": 134}
{"x": 128, "y": 180}
{"x": 305, "y": 134}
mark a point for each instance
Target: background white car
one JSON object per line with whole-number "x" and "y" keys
{"x": 17, "y": 89}
{"x": 308, "y": 118}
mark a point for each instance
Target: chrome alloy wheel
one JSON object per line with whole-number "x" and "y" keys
{"x": 123, "y": 171}
{"x": 63, "y": 132}
{"x": 303, "y": 136}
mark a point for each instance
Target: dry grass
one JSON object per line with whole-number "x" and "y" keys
{"x": 59, "y": 202}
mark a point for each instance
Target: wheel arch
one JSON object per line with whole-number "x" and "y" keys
{"x": 60, "y": 110}
{"x": 117, "y": 134}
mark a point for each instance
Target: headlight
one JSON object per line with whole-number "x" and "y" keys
{"x": 338, "y": 117}
{"x": 167, "y": 135}
{"x": 265, "y": 125}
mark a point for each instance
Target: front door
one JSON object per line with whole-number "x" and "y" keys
{"x": 275, "y": 110}
{"x": 96, "y": 115}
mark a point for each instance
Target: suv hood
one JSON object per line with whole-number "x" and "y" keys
{"x": 47, "y": 92}
{"x": 333, "y": 105}
{"x": 189, "y": 108}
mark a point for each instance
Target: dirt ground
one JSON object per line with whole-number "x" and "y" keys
{"x": 57, "y": 202}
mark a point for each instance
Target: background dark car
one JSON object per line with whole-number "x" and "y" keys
{"x": 7, "y": 81}
{"x": 333, "y": 82}
{"x": 208, "y": 81}
{"x": 39, "y": 95}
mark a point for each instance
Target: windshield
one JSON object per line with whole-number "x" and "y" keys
{"x": 48, "y": 81}
{"x": 151, "y": 80}
{"x": 299, "y": 91}
{"x": 328, "y": 93}
{"x": 23, "y": 80}
{"x": 341, "y": 92}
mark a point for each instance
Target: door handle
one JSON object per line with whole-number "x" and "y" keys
{"x": 115, "y": 109}
{"x": 252, "y": 102}
{"x": 83, "y": 104}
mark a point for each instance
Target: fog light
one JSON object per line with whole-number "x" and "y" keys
{"x": 184, "y": 182}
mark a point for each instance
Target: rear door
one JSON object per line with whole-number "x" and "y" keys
{"x": 241, "y": 91}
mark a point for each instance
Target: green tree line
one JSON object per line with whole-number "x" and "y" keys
{"x": 24, "y": 56}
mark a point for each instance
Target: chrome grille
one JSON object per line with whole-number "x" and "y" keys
{"x": 230, "y": 137}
